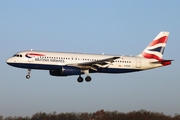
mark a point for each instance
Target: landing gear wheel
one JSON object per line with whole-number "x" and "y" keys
{"x": 88, "y": 79}
{"x": 27, "y": 76}
{"x": 80, "y": 79}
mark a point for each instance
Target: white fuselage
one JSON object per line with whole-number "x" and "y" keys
{"x": 53, "y": 60}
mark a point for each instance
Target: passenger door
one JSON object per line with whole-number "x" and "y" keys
{"x": 138, "y": 62}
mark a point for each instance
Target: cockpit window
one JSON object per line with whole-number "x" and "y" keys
{"x": 17, "y": 55}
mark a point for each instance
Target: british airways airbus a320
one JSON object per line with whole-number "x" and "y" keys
{"x": 65, "y": 64}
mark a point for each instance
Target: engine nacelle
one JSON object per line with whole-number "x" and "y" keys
{"x": 65, "y": 71}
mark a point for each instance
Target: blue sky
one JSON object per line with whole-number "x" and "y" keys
{"x": 110, "y": 27}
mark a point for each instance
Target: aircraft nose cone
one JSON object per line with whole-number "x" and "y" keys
{"x": 12, "y": 62}
{"x": 8, "y": 61}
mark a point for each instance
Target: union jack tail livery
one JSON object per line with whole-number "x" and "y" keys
{"x": 70, "y": 63}
{"x": 156, "y": 48}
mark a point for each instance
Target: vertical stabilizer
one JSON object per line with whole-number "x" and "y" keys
{"x": 156, "y": 48}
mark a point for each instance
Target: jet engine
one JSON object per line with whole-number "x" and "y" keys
{"x": 65, "y": 71}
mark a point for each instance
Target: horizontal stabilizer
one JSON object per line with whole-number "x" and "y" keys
{"x": 163, "y": 62}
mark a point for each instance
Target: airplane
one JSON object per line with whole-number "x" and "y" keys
{"x": 67, "y": 64}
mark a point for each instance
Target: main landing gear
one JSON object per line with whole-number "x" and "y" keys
{"x": 80, "y": 79}
{"x": 87, "y": 78}
{"x": 28, "y": 76}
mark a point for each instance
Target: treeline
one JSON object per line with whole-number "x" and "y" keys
{"x": 98, "y": 115}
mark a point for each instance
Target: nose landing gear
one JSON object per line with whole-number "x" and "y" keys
{"x": 28, "y": 76}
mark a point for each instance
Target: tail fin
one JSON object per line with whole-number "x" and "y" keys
{"x": 156, "y": 48}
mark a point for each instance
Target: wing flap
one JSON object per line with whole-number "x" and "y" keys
{"x": 95, "y": 64}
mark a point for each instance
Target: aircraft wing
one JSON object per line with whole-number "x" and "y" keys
{"x": 102, "y": 63}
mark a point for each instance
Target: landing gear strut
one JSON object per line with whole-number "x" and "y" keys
{"x": 28, "y": 76}
{"x": 87, "y": 78}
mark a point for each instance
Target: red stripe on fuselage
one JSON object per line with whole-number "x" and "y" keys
{"x": 35, "y": 54}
